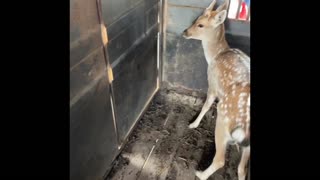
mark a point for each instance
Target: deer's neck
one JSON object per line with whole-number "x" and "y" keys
{"x": 215, "y": 44}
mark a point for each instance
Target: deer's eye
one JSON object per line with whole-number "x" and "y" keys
{"x": 200, "y": 25}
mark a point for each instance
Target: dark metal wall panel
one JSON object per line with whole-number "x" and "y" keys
{"x": 129, "y": 29}
{"x": 151, "y": 17}
{"x": 135, "y": 82}
{"x": 93, "y": 142}
{"x": 123, "y": 23}
{"x": 84, "y": 29}
{"x": 112, "y": 10}
{"x": 132, "y": 31}
{"x": 87, "y": 71}
{"x": 184, "y": 60}
{"x": 238, "y": 28}
{"x": 241, "y": 42}
{"x": 185, "y": 64}
{"x": 126, "y": 37}
{"x": 92, "y": 137}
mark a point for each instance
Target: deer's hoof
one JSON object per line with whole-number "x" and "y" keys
{"x": 200, "y": 175}
{"x": 193, "y": 125}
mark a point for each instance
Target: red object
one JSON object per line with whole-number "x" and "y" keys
{"x": 243, "y": 13}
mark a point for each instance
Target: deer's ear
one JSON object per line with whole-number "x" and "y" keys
{"x": 223, "y": 6}
{"x": 219, "y": 18}
{"x": 208, "y": 10}
{"x": 207, "y": 13}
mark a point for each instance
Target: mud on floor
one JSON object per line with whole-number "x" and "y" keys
{"x": 162, "y": 146}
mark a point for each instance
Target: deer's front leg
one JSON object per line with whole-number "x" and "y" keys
{"x": 244, "y": 160}
{"x": 209, "y": 101}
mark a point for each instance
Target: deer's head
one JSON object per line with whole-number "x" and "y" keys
{"x": 206, "y": 24}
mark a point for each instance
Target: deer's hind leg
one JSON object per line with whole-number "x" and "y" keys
{"x": 221, "y": 141}
{"x": 243, "y": 162}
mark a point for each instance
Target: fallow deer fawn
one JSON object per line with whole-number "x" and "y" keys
{"x": 229, "y": 81}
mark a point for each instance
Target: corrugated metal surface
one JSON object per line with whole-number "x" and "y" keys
{"x": 92, "y": 137}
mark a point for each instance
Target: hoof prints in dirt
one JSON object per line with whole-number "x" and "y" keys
{"x": 163, "y": 147}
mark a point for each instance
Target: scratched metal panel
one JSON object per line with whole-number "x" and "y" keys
{"x": 123, "y": 23}
{"x": 86, "y": 72}
{"x": 84, "y": 29}
{"x": 135, "y": 82}
{"x": 112, "y": 10}
{"x": 185, "y": 64}
{"x": 122, "y": 40}
{"x": 132, "y": 31}
{"x": 92, "y": 137}
{"x": 151, "y": 17}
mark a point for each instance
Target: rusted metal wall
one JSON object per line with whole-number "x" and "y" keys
{"x": 184, "y": 63}
{"x": 132, "y": 31}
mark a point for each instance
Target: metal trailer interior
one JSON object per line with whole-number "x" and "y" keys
{"x": 111, "y": 86}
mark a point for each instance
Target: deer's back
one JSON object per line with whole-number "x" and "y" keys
{"x": 229, "y": 67}
{"x": 233, "y": 73}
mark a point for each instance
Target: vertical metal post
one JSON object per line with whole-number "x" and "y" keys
{"x": 104, "y": 37}
{"x": 160, "y": 40}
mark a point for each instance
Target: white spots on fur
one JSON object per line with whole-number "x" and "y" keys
{"x": 243, "y": 94}
{"x": 225, "y": 63}
{"x": 244, "y": 84}
{"x": 241, "y": 102}
{"x": 225, "y": 74}
{"x": 248, "y": 109}
{"x": 230, "y": 71}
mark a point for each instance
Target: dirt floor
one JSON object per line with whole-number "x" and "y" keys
{"x": 162, "y": 147}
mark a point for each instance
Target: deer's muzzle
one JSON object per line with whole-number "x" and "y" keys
{"x": 185, "y": 34}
